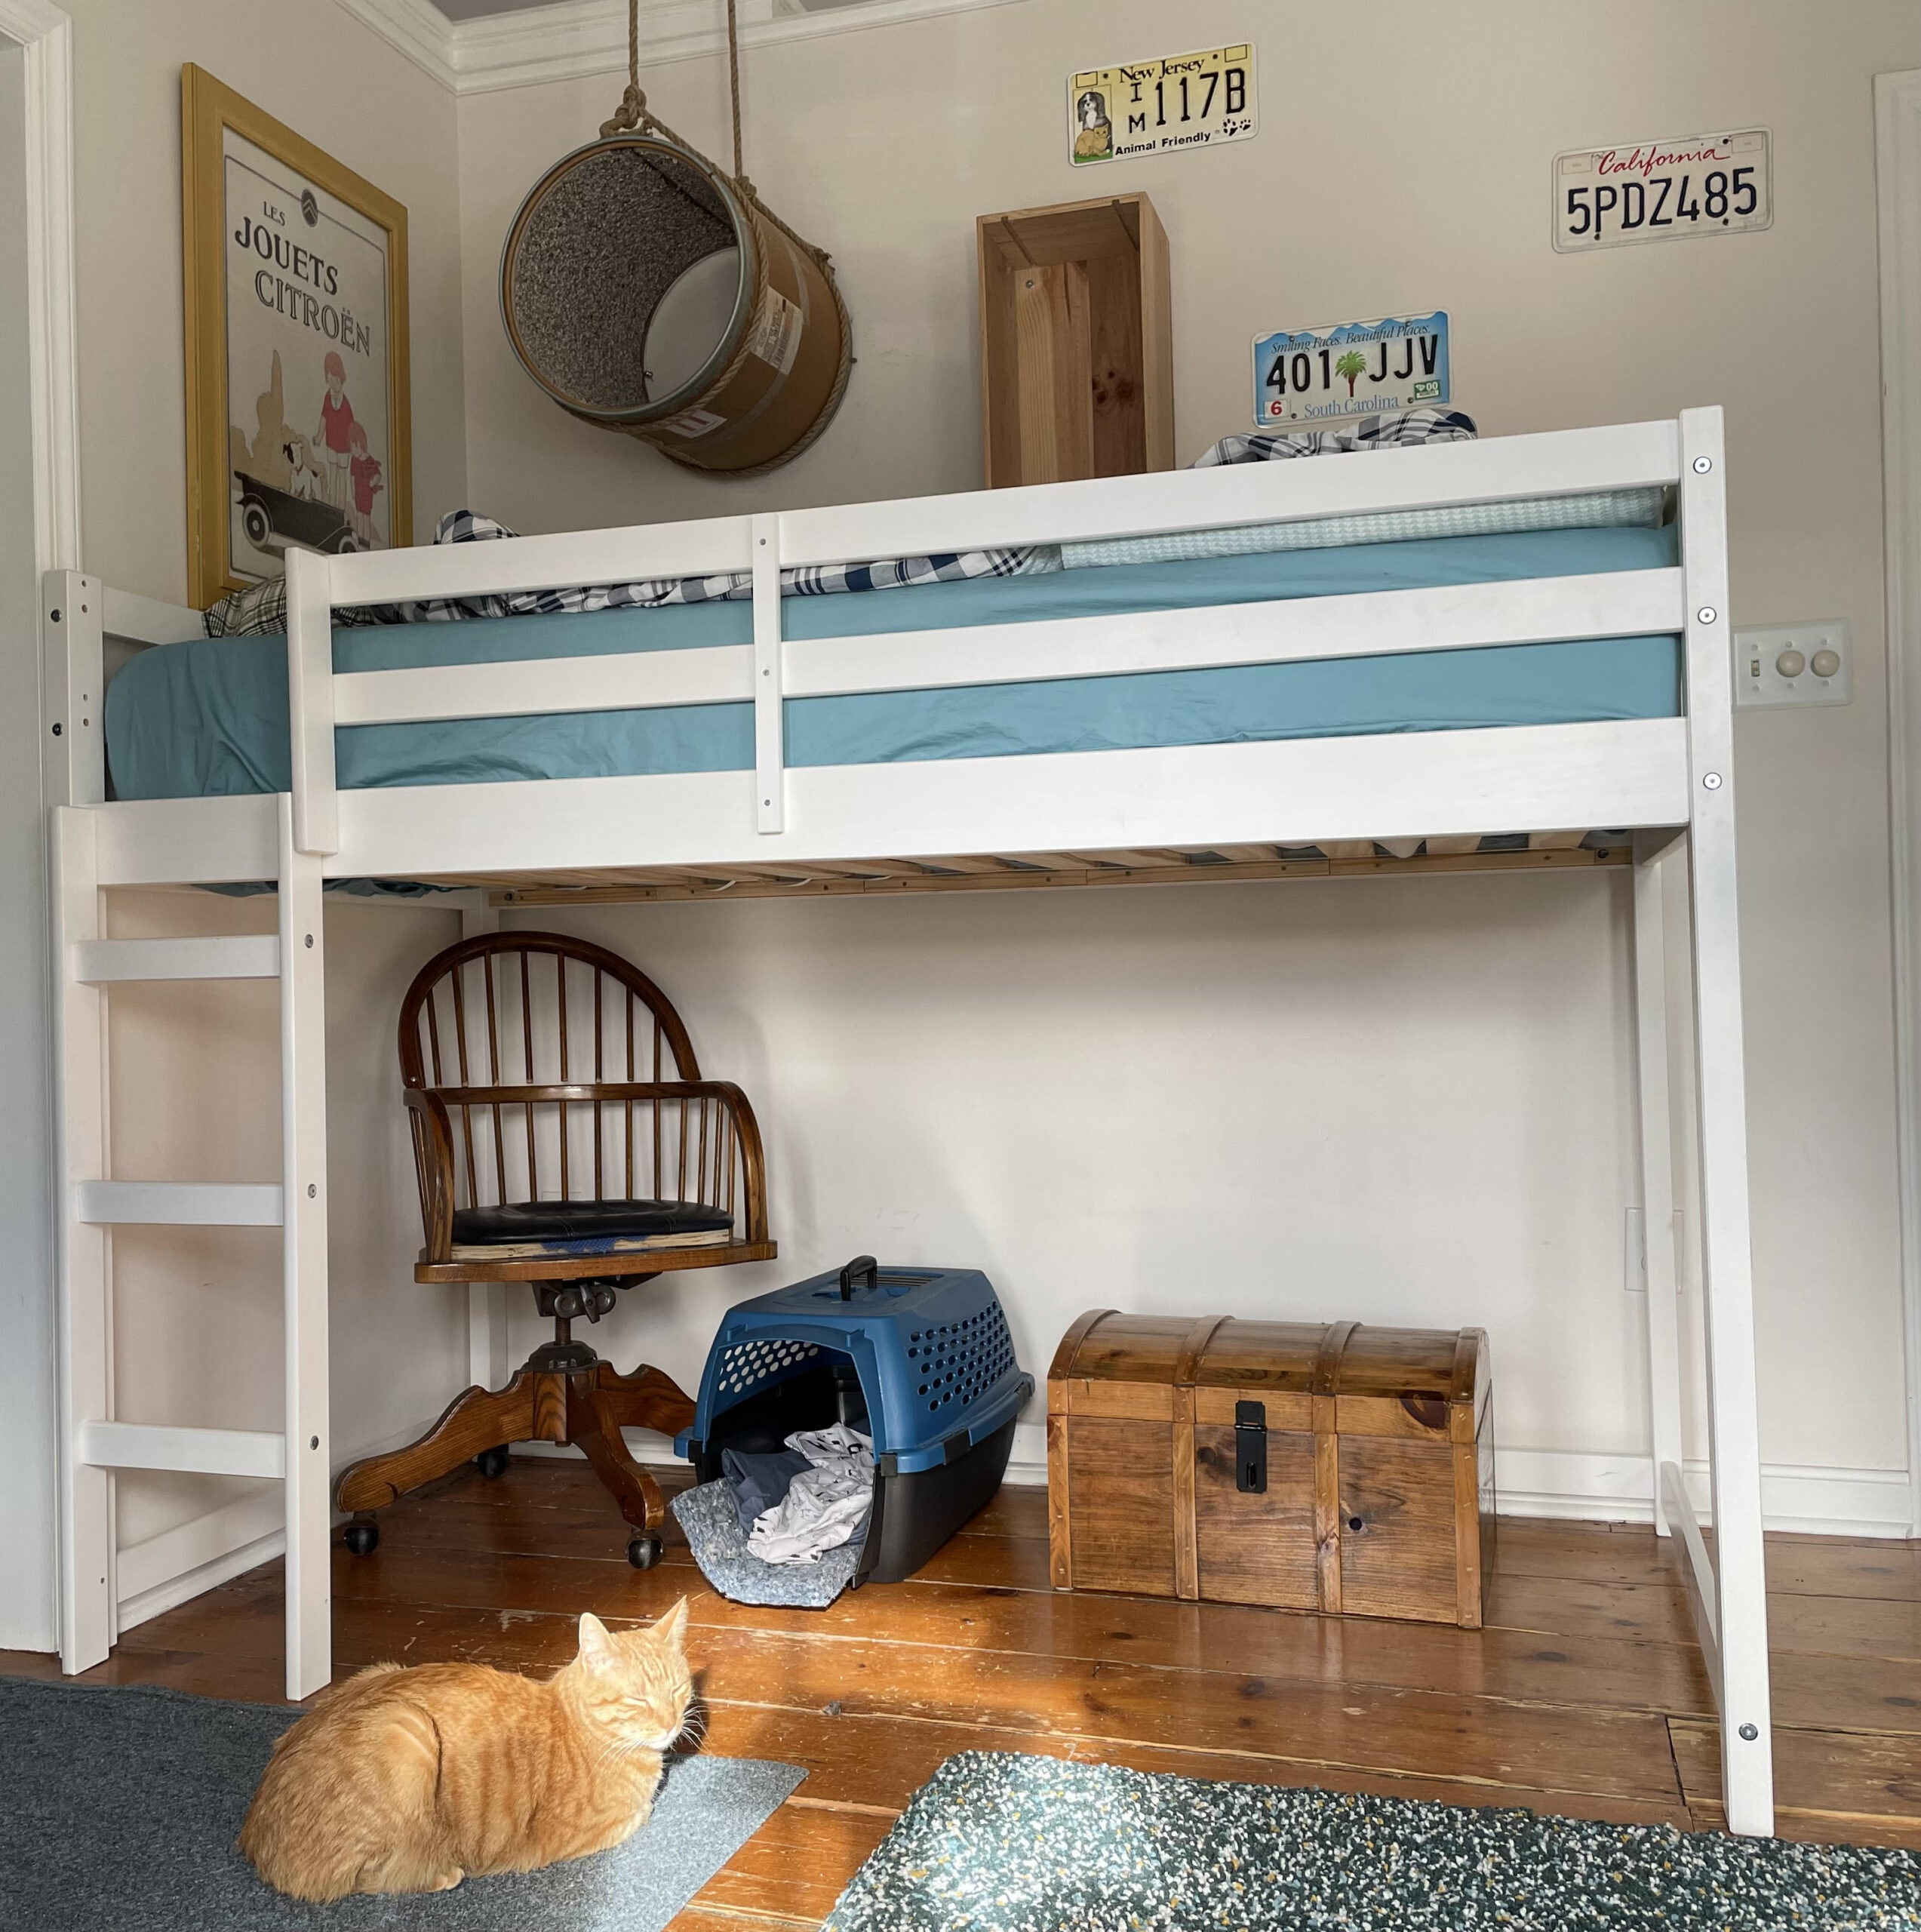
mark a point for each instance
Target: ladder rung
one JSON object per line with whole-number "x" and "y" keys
{"x": 206, "y": 1452}
{"x": 176, "y": 1204}
{"x": 249, "y": 956}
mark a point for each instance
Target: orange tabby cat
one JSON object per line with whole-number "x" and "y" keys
{"x": 407, "y": 1780}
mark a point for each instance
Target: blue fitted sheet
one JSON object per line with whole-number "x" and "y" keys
{"x": 209, "y": 717}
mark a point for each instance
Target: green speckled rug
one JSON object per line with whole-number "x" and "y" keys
{"x": 997, "y": 1843}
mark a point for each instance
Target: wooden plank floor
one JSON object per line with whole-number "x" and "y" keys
{"x": 1584, "y": 1695}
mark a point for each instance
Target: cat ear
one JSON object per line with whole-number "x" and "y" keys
{"x": 596, "y": 1651}
{"x": 670, "y": 1632}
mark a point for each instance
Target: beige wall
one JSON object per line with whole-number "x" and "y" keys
{"x": 328, "y": 78}
{"x": 1438, "y": 1123}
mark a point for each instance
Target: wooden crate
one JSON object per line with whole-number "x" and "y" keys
{"x": 1076, "y": 345}
{"x": 1369, "y": 1487}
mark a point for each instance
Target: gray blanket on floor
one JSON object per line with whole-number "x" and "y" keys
{"x": 123, "y": 1804}
{"x": 719, "y": 1547}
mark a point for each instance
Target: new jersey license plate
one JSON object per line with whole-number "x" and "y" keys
{"x": 1188, "y": 100}
{"x": 1350, "y": 369}
{"x": 1663, "y": 191}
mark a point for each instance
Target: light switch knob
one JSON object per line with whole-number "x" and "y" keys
{"x": 1824, "y": 663}
{"x": 1790, "y": 663}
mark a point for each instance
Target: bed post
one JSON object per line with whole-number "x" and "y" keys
{"x": 72, "y": 633}
{"x": 1658, "y": 1225}
{"x": 310, "y": 703}
{"x": 304, "y": 1231}
{"x": 72, "y": 689}
{"x": 89, "y": 1588}
{"x": 1740, "y": 1606}
{"x": 769, "y": 722}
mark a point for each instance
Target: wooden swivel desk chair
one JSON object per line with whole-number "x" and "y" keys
{"x": 656, "y": 1170}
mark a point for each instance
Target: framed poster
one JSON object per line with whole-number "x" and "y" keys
{"x": 298, "y": 427}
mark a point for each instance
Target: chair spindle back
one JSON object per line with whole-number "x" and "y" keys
{"x": 554, "y": 1057}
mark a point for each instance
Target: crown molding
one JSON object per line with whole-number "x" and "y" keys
{"x": 415, "y": 28}
{"x": 578, "y": 39}
{"x": 29, "y": 21}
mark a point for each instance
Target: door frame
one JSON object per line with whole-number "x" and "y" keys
{"x": 44, "y": 34}
{"x": 1897, "y": 180}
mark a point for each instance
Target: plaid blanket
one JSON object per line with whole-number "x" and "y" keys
{"x": 1372, "y": 432}
{"x": 261, "y": 608}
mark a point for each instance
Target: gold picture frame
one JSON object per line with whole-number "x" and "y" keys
{"x": 296, "y": 347}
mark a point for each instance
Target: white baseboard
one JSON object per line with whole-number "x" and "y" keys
{"x": 644, "y": 1445}
{"x": 145, "y": 1568}
{"x": 1585, "y": 1487}
{"x": 201, "y": 1555}
{"x": 170, "y": 1569}
{"x": 1795, "y": 1498}
{"x": 185, "y": 1562}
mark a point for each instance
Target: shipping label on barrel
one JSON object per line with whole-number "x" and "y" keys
{"x": 691, "y": 423}
{"x": 1663, "y": 191}
{"x": 1161, "y": 107}
{"x": 776, "y": 336}
{"x": 1350, "y": 369}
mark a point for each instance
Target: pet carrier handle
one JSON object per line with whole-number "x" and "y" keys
{"x": 861, "y": 1265}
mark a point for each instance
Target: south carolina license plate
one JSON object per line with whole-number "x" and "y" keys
{"x": 1663, "y": 191}
{"x": 1350, "y": 369}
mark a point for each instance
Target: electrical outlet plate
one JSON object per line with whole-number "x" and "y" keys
{"x": 1760, "y": 655}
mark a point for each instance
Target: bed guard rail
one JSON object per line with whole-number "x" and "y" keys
{"x": 772, "y": 669}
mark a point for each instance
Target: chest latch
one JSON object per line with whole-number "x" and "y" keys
{"x": 1250, "y": 1448}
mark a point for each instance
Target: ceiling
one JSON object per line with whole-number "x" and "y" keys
{"x": 472, "y": 10}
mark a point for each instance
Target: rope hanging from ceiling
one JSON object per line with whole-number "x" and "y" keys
{"x": 648, "y": 290}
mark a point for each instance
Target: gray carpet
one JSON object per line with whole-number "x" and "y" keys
{"x": 997, "y": 1843}
{"x": 121, "y": 1806}
{"x": 719, "y": 1544}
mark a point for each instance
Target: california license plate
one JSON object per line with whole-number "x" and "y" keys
{"x": 1190, "y": 100}
{"x": 1663, "y": 191}
{"x": 1350, "y": 369}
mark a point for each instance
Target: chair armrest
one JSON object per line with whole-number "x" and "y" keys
{"x": 432, "y": 1107}
{"x": 753, "y": 1159}
{"x": 433, "y": 1163}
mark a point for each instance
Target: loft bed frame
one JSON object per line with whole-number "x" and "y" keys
{"x": 1660, "y": 791}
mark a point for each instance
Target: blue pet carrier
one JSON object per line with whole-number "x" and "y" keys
{"x": 919, "y": 1358}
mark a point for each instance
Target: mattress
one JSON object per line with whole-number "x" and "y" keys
{"x": 209, "y": 717}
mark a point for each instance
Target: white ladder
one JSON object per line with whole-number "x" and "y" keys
{"x": 93, "y": 1444}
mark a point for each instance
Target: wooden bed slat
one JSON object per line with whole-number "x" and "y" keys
{"x": 1052, "y": 869}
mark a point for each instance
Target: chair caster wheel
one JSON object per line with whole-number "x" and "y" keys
{"x": 492, "y": 1462}
{"x": 363, "y": 1538}
{"x": 643, "y": 1549}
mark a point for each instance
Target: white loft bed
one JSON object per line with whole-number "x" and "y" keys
{"x": 1668, "y": 780}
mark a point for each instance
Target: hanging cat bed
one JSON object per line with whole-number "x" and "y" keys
{"x": 648, "y": 290}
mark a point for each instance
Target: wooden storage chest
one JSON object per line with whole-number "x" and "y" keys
{"x": 1339, "y": 1468}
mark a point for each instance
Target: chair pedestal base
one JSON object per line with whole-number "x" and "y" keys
{"x": 558, "y": 1397}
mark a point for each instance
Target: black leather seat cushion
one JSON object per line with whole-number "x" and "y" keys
{"x": 584, "y": 1220}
